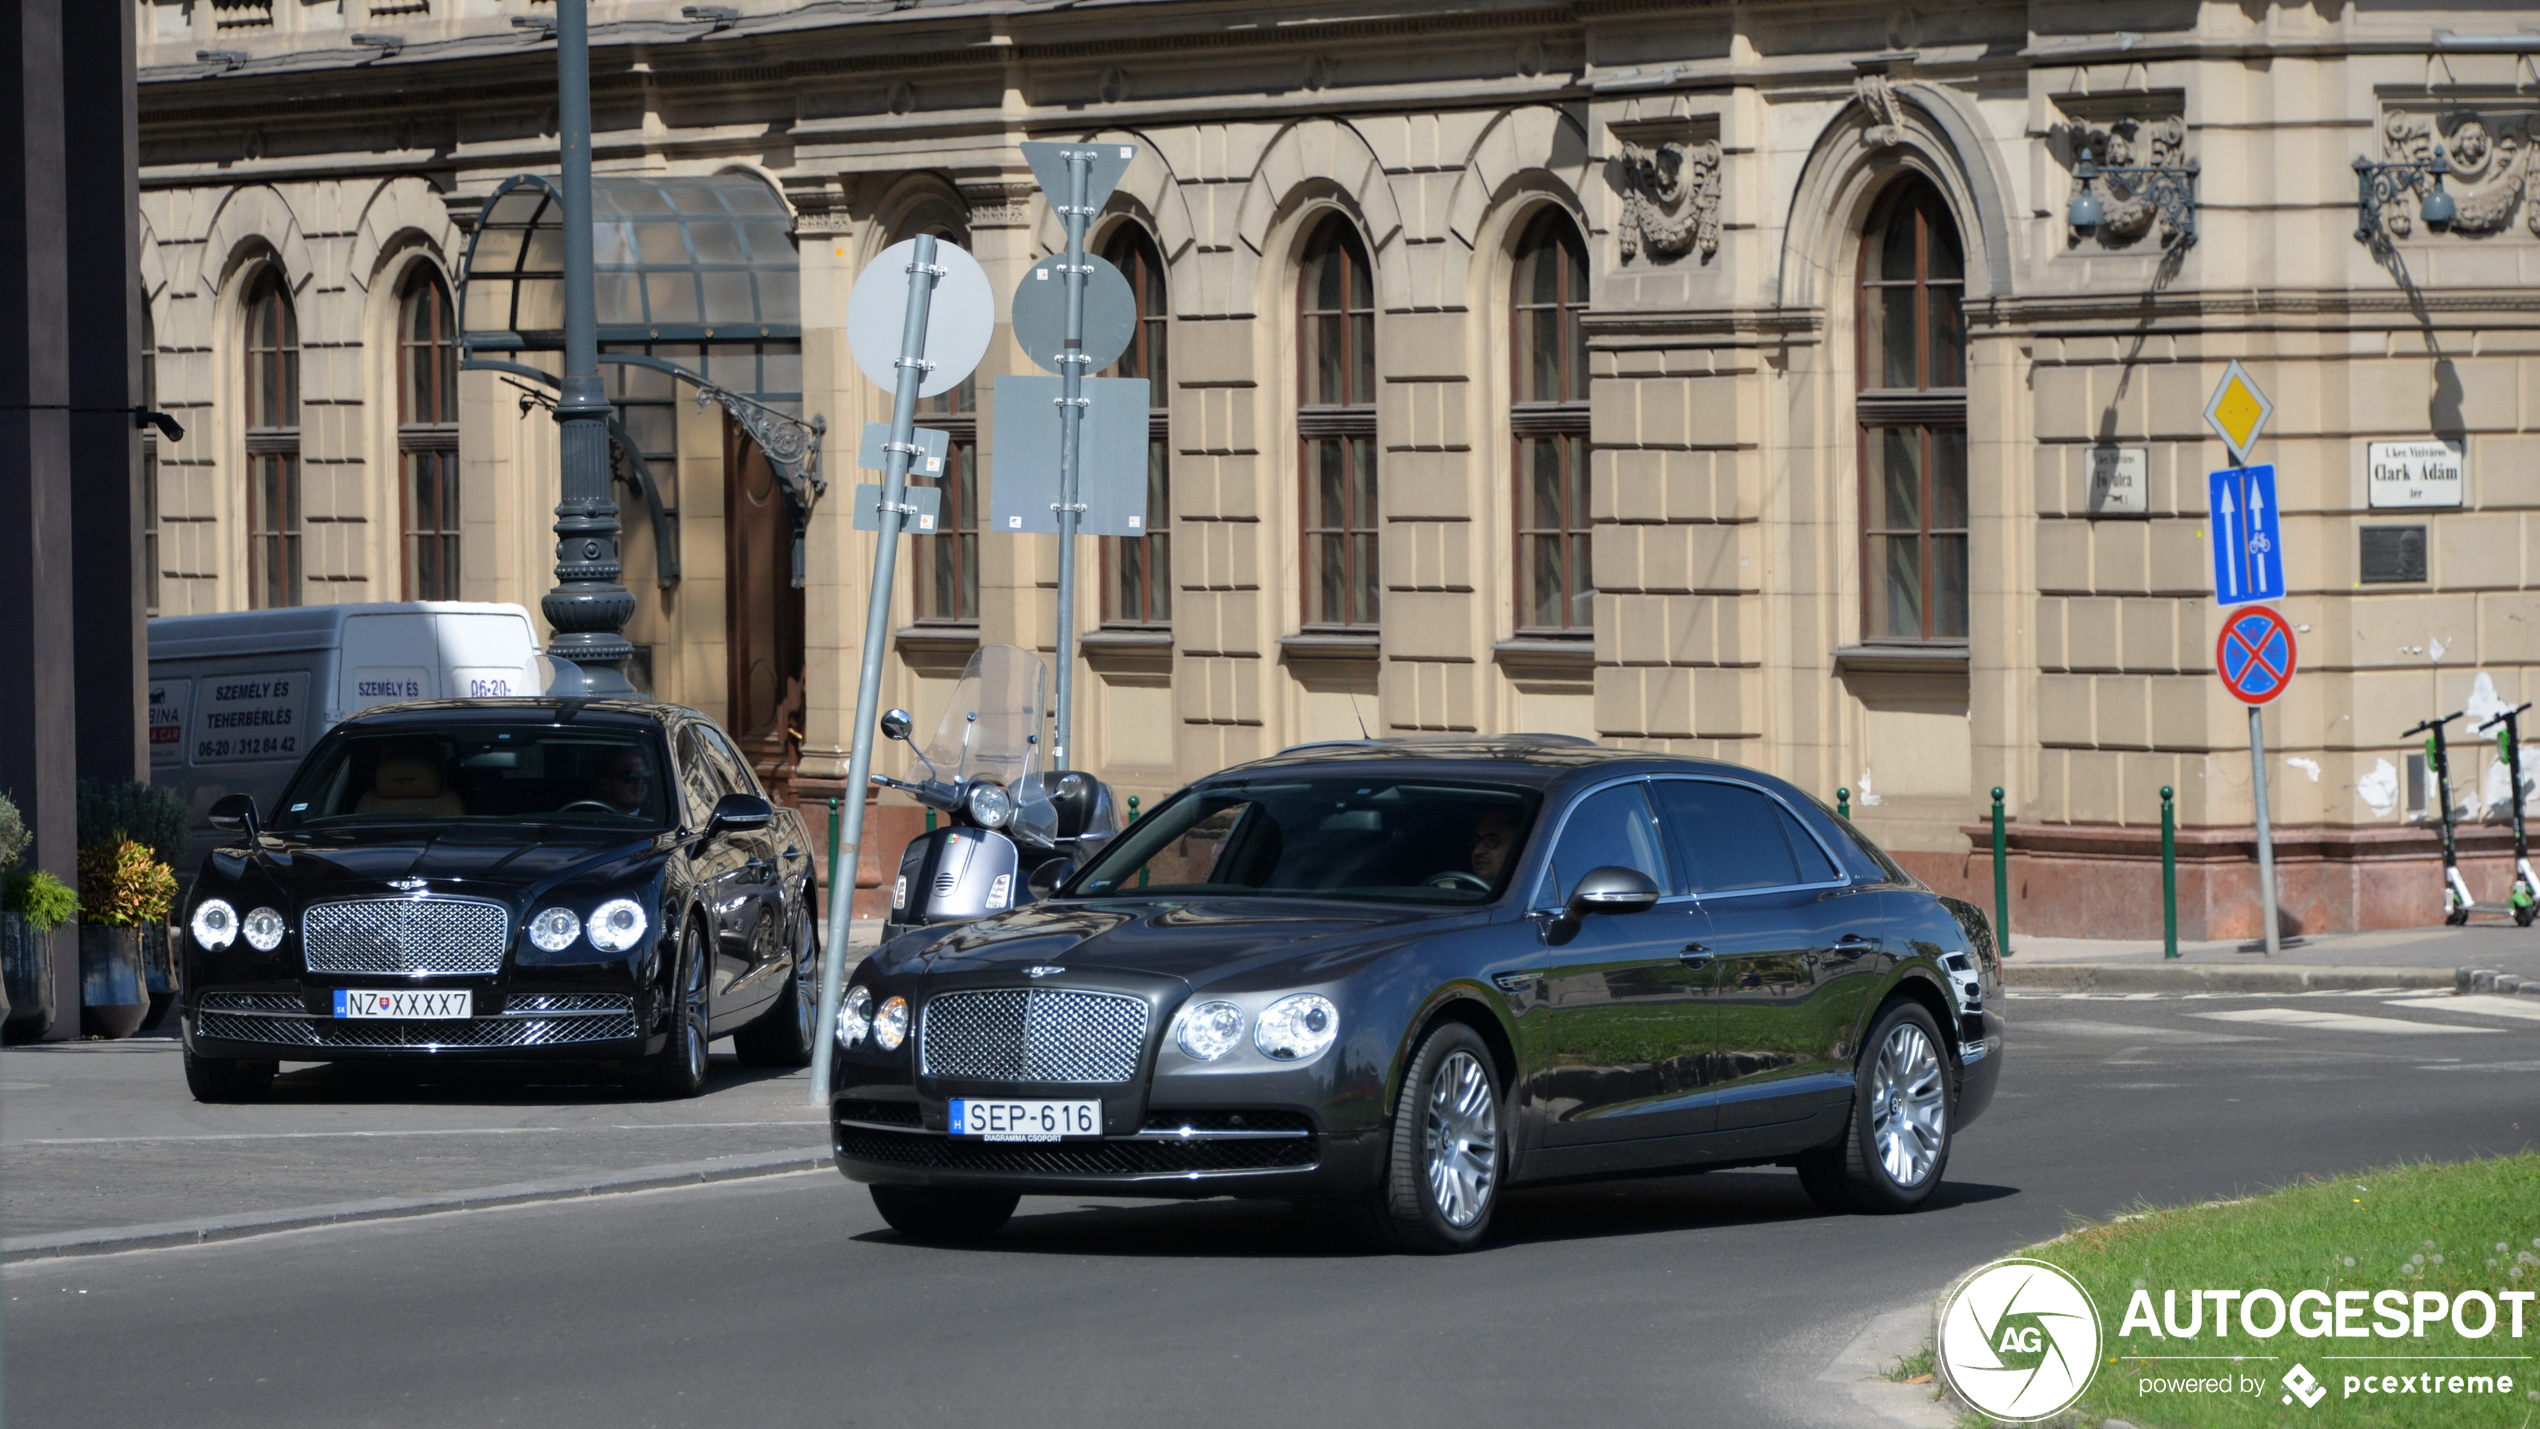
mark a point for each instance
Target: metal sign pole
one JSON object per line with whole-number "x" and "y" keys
{"x": 923, "y": 274}
{"x": 2266, "y": 834}
{"x": 1071, "y": 418}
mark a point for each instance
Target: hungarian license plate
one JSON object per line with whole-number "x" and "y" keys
{"x": 405, "y": 1006}
{"x": 997, "y": 1119}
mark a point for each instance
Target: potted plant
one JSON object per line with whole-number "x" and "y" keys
{"x": 122, "y": 890}
{"x": 33, "y": 904}
{"x": 153, "y": 816}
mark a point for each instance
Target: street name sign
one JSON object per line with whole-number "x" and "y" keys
{"x": 2255, "y": 655}
{"x": 2248, "y": 540}
{"x": 2403, "y": 474}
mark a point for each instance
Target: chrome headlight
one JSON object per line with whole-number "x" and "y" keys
{"x": 1297, "y": 1029}
{"x": 987, "y": 803}
{"x": 215, "y": 924}
{"x": 890, "y": 1025}
{"x": 555, "y": 929}
{"x": 264, "y": 929}
{"x": 855, "y": 1016}
{"x": 1209, "y": 1030}
{"x": 617, "y": 925}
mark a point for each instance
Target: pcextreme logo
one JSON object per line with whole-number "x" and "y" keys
{"x": 2019, "y": 1340}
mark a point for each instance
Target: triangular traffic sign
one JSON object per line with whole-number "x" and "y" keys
{"x": 2238, "y": 412}
{"x": 1048, "y": 159}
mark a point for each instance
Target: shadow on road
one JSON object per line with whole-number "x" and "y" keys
{"x": 485, "y": 1083}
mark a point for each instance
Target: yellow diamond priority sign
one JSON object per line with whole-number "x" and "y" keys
{"x": 2238, "y": 412}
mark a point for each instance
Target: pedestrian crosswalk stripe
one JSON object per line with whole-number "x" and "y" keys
{"x": 2486, "y": 1004}
{"x": 2338, "y": 1021}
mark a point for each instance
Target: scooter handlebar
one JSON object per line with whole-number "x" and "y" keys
{"x": 2433, "y": 724}
{"x": 2500, "y": 719}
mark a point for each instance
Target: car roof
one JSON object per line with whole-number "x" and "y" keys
{"x": 415, "y": 714}
{"x": 1535, "y": 760}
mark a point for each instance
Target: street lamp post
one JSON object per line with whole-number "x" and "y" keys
{"x": 589, "y": 606}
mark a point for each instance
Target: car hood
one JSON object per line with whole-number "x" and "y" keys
{"x": 1201, "y": 942}
{"x": 491, "y": 861}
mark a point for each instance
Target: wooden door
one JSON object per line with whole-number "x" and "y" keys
{"x": 763, "y": 615}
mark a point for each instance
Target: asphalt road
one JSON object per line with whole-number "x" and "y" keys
{"x": 1707, "y": 1300}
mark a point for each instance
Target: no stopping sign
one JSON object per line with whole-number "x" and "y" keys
{"x": 2255, "y": 655}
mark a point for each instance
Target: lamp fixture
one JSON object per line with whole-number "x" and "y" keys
{"x": 715, "y": 17}
{"x": 538, "y": 27}
{"x": 226, "y": 59}
{"x": 2377, "y": 186}
{"x": 2171, "y": 190}
{"x": 387, "y": 45}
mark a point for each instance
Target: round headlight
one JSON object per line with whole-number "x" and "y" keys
{"x": 988, "y": 804}
{"x": 890, "y": 1025}
{"x": 264, "y": 928}
{"x": 1209, "y": 1030}
{"x": 215, "y": 924}
{"x": 855, "y": 1016}
{"x": 1297, "y": 1029}
{"x": 616, "y": 925}
{"x": 554, "y": 929}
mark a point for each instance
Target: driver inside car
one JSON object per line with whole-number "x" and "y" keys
{"x": 1494, "y": 837}
{"x": 624, "y": 781}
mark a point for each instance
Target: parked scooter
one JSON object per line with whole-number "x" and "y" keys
{"x": 1012, "y": 829}
{"x": 2524, "y": 900}
{"x": 2456, "y": 899}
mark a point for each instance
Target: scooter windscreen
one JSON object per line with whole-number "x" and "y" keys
{"x": 990, "y": 746}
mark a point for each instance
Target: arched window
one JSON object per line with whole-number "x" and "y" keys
{"x": 428, "y": 436}
{"x": 948, "y": 562}
{"x": 1336, "y": 427}
{"x": 1138, "y": 570}
{"x": 1549, "y": 423}
{"x": 1913, "y": 415}
{"x": 273, "y": 443}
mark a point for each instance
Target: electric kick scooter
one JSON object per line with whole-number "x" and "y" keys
{"x": 2456, "y": 899}
{"x": 2526, "y": 889}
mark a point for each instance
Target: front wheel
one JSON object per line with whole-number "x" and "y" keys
{"x": 678, "y": 1071}
{"x": 1447, "y": 1160}
{"x": 222, "y": 1079}
{"x": 939, "y": 1217}
{"x": 1896, "y": 1145}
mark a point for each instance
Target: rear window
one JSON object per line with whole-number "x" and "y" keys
{"x": 484, "y": 774}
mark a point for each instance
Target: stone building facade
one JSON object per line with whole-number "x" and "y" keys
{"x": 1724, "y": 379}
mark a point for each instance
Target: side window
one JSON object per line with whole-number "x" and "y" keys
{"x": 1610, "y": 827}
{"x": 1736, "y": 837}
{"x": 728, "y": 763}
{"x": 1814, "y": 865}
{"x": 697, "y": 777}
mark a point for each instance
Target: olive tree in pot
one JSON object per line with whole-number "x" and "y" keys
{"x": 33, "y": 904}
{"x": 154, "y": 817}
{"x": 122, "y": 890}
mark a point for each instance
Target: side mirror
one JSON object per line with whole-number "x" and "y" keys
{"x": 1048, "y": 875}
{"x": 740, "y": 811}
{"x": 896, "y": 724}
{"x": 235, "y": 813}
{"x": 1611, "y": 889}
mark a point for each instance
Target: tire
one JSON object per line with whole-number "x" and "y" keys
{"x": 1895, "y": 1149}
{"x": 221, "y": 1079}
{"x": 782, "y": 1035}
{"x": 678, "y": 1070}
{"x": 1447, "y": 1158}
{"x": 941, "y": 1217}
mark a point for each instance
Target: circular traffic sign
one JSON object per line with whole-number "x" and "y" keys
{"x": 2255, "y": 655}
{"x": 1040, "y": 313}
{"x": 960, "y": 316}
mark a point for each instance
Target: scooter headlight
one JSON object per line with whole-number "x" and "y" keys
{"x": 988, "y": 804}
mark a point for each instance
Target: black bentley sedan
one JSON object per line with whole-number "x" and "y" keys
{"x": 1394, "y": 978}
{"x": 504, "y": 879}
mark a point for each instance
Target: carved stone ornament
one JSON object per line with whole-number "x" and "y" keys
{"x": 1671, "y": 200}
{"x": 2491, "y": 153}
{"x": 2132, "y": 206}
{"x": 1877, "y": 95}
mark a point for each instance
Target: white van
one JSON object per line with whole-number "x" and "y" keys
{"x": 237, "y": 699}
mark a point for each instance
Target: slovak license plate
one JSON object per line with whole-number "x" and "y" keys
{"x": 405, "y": 1006}
{"x": 998, "y": 1119}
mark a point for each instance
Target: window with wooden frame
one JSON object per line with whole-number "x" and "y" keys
{"x": 1912, "y": 409}
{"x": 428, "y": 436}
{"x": 273, "y": 443}
{"x": 948, "y": 561}
{"x": 149, "y": 460}
{"x": 1336, "y": 428}
{"x": 1137, "y": 571}
{"x": 1548, "y": 423}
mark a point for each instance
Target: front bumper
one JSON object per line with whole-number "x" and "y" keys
{"x": 1184, "y": 1154}
{"x": 280, "y": 1025}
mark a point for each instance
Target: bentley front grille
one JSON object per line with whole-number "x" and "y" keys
{"x": 331, "y": 1032}
{"x": 1033, "y": 1035}
{"x": 445, "y": 936}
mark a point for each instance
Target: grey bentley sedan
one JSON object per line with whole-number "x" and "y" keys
{"x": 1396, "y": 978}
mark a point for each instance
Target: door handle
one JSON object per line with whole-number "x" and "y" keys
{"x": 1853, "y": 943}
{"x": 1695, "y": 953}
{"x": 1516, "y": 982}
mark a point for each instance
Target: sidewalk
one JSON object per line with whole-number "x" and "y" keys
{"x": 2389, "y": 957}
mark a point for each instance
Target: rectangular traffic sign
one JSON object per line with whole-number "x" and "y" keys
{"x": 2248, "y": 540}
{"x": 873, "y": 453}
{"x": 925, "y": 503}
{"x": 1111, "y": 469}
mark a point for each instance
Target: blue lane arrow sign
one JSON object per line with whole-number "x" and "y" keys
{"x": 2248, "y": 543}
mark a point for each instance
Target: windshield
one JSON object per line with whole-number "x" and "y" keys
{"x": 1337, "y": 837}
{"x": 993, "y": 729}
{"x": 481, "y": 773}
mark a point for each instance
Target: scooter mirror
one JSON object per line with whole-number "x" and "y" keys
{"x": 896, "y": 724}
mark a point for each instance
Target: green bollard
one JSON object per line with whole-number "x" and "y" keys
{"x": 2169, "y": 874}
{"x": 1843, "y": 804}
{"x": 834, "y": 804}
{"x": 2001, "y": 881}
{"x": 1133, "y": 818}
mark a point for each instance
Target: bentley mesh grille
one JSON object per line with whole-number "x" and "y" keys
{"x": 405, "y": 935}
{"x": 571, "y": 1002}
{"x": 1033, "y": 1035}
{"x": 1072, "y": 1158}
{"x": 365, "y": 1032}
{"x": 254, "y": 1002}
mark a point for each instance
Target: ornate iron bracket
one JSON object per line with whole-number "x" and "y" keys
{"x": 2378, "y": 186}
{"x": 2169, "y": 188}
{"x": 792, "y": 444}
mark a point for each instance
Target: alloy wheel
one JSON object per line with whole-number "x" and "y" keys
{"x": 692, "y": 1010}
{"x": 1908, "y": 1105}
{"x": 1462, "y": 1139}
{"x": 806, "y": 986}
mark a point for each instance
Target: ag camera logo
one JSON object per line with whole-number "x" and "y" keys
{"x": 2019, "y": 1340}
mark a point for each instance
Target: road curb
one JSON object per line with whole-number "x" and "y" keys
{"x": 109, "y": 1239}
{"x": 2213, "y": 977}
{"x": 1855, "y": 1382}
